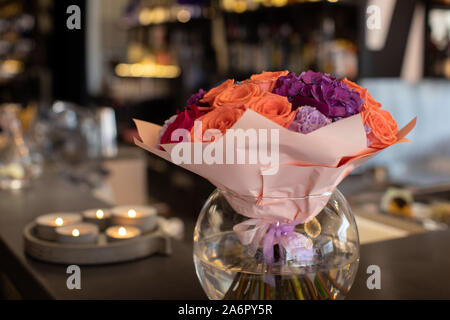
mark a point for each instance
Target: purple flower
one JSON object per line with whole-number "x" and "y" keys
{"x": 368, "y": 131}
{"x": 308, "y": 119}
{"x": 195, "y": 98}
{"x": 327, "y": 94}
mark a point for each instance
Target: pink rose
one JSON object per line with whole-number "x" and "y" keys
{"x": 184, "y": 120}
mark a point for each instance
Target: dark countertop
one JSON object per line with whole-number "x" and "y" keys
{"x": 411, "y": 268}
{"x": 156, "y": 277}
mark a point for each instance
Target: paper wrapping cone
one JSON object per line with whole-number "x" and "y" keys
{"x": 310, "y": 166}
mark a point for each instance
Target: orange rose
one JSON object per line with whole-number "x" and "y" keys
{"x": 264, "y": 85}
{"x": 221, "y": 119}
{"x": 274, "y": 107}
{"x": 383, "y": 127}
{"x": 211, "y": 95}
{"x": 237, "y": 95}
{"x": 267, "y": 80}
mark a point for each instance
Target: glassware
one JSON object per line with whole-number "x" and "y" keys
{"x": 229, "y": 270}
{"x": 17, "y": 165}
{"x": 79, "y": 133}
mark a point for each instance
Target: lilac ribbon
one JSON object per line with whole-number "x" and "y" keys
{"x": 273, "y": 236}
{"x": 254, "y": 231}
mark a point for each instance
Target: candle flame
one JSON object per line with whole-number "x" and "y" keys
{"x": 122, "y": 231}
{"x": 59, "y": 221}
{"x": 75, "y": 232}
{"x": 132, "y": 213}
{"x": 100, "y": 214}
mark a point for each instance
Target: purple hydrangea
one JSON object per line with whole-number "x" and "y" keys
{"x": 195, "y": 98}
{"x": 327, "y": 94}
{"x": 308, "y": 119}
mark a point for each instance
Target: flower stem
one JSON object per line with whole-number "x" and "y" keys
{"x": 311, "y": 289}
{"x": 297, "y": 288}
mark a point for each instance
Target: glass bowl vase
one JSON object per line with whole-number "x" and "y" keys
{"x": 227, "y": 269}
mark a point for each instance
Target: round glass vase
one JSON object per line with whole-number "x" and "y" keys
{"x": 229, "y": 270}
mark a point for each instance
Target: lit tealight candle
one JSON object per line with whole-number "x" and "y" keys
{"x": 59, "y": 221}
{"x": 100, "y": 217}
{"x": 143, "y": 217}
{"x": 47, "y": 224}
{"x": 132, "y": 213}
{"x": 99, "y": 214}
{"x": 80, "y": 233}
{"x": 122, "y": 233}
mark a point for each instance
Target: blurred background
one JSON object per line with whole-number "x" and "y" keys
{"x": 68, "y": 93}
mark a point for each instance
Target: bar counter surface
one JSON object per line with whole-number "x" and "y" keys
{"x": 411, "y": 268}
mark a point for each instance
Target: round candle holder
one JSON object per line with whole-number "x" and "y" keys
{"x": 80, "y": 246}
{"x": 120, "y": 233}
{"x": 78, "y": 233}
{"x": 142, "y": 217}
{"x": 99, "y": 217}
{"x": 100, "y": 252}
{"x": 46, "y": 224}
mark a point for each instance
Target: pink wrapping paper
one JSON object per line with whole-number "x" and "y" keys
{"x": 310, "y": 167}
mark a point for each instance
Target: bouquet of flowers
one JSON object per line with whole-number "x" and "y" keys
{"x": 277, "y": 135}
